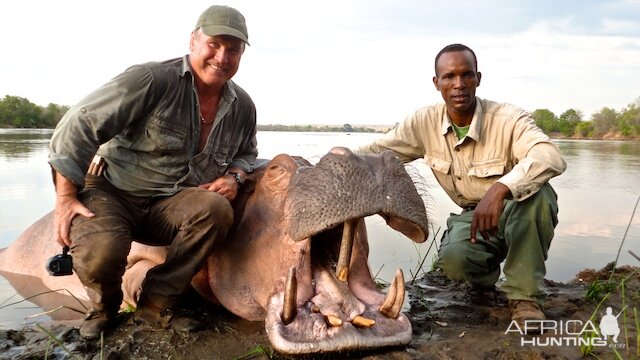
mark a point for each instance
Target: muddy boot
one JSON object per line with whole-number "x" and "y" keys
{"x": 528, "y": 315}
{"x": 96, "y": 323}
{"x": 150, "y": 314}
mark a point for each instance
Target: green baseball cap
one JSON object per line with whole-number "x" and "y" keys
{"x": 223, "y": 20}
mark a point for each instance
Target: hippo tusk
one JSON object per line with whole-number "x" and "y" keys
{"x": 400, "y": 293}
{"x": 362, "y": 321}
{"x": 395, "y": 298}
{"x": 290, "y": 297}
{"x": 342, "y": 270}
{"x": 333, "y": 320}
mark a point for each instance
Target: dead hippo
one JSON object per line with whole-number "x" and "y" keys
{"x": 296, "y": 256}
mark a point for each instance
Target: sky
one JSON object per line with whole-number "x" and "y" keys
{"x": 339, "y": 61}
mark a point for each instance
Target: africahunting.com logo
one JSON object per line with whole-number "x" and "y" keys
{"x": 569, "y": 332}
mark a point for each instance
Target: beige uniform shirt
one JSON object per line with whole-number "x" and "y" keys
{"x": 503, "y": 144}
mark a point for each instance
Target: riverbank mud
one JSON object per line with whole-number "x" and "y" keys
{"x": 449, "y": 322}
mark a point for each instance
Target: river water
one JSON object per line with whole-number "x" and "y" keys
{"x": 597, "y": 195}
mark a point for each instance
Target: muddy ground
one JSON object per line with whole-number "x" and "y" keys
{"x": 448, "y": 323}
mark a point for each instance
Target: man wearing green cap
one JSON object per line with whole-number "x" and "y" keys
{"x": 174, "y": 141}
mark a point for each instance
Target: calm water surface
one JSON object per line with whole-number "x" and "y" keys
{"x": 597, "y": 195}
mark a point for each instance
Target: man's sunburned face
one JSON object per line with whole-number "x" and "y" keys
{"x": 215, "y": 59}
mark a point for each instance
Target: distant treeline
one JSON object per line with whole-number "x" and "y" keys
{"x": 317, "y": 128}
{"x": 18, "y": 112}
{"x": 606, "y": 123}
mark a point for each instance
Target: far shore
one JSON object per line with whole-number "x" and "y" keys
{"x": 386, "y": 128}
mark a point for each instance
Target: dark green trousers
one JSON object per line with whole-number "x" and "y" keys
{"x": 188, "y": 223}
{"x": 525, "y": 232}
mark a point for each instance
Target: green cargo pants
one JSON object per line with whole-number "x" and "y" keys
{"x": 522, "y": 242}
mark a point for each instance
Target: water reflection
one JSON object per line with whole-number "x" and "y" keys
{"x": 21, "y": 143}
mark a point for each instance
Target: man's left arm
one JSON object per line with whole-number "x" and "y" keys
{"x": 539, "y": 160}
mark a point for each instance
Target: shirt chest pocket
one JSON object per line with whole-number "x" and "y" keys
{"x": 222, "y": 155}
{"x": 487, "y": 168}
{"x": 159, "y": 137}
{"x": 438, "y": 164}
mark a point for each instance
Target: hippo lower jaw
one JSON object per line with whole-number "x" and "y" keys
{"x": 339, "y": 315}
{"x": 310, "y": 333}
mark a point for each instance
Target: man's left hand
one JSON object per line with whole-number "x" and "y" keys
{"x": 225, "y": 185}
{"x": 488, "y": 211}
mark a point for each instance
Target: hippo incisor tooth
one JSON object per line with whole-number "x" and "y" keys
{"x": 334, "y": 320}
{"x": 342, "y": 270}
{"x": 395, "y": 297}
{"x": 290, "y": 297}
{"x": 362, "y": 321}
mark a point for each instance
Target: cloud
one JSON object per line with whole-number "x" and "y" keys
{"x": 360, "y": 62}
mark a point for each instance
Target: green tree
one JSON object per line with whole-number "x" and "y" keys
{"x": 584, "y": 129}
{"x": 52, "y": 114}
{"x": 629, "y": 120}
{"x": 19, "y": 112}
{"x": 546, "y": 120}
{"x": 568, "y": 121}
{"x": 347, "y": 128}
{"x": 604, "y": 121}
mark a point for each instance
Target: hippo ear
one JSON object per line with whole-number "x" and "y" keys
{"x": 278, "y": 173}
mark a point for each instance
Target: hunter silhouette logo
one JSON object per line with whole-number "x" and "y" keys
{"x": 569, "y": 332}
{"x": 609, "y": 325}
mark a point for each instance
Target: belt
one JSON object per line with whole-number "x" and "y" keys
{"x": 468, "y": 208}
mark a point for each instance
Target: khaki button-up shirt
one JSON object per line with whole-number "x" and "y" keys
{"x": 503, "y": 144}
{"x": 147, "y": 124}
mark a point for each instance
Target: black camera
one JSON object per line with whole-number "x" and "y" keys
{"x": 61, "y": 264}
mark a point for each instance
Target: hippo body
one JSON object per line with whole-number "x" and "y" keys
{"x": 280, "y": 262}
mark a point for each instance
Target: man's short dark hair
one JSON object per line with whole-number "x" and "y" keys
{"x": 453, "y": 48}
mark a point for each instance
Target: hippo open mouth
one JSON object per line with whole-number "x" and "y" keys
{"x": 336, "y": 305}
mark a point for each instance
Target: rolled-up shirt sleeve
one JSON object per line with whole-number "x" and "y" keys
{"x": 96, "y": 119}
{"x": 404, "y": 140}
{"x": 539, "y": 160}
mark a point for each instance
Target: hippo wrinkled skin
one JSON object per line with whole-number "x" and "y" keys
{"x": 296, "y": 256}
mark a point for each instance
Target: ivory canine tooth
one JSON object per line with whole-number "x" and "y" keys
{"x": 342, "y": 270}
{"x": 400, "y": 293}
{"x": 362, "y": 321}
{"x": 334, "y": 320}
{"x": 385, "y": 308}
{"x": 395, "y": 297}
{"x": 290, "y": 297}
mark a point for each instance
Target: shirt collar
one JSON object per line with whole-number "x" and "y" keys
{"x": 186, "y": 66}
{"x": 475, "y": 128}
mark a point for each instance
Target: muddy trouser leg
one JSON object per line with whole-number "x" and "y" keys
{"x": 526, "y": 229}
{"x": 189, "y": 222}
{"x": 100, "y": 245}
